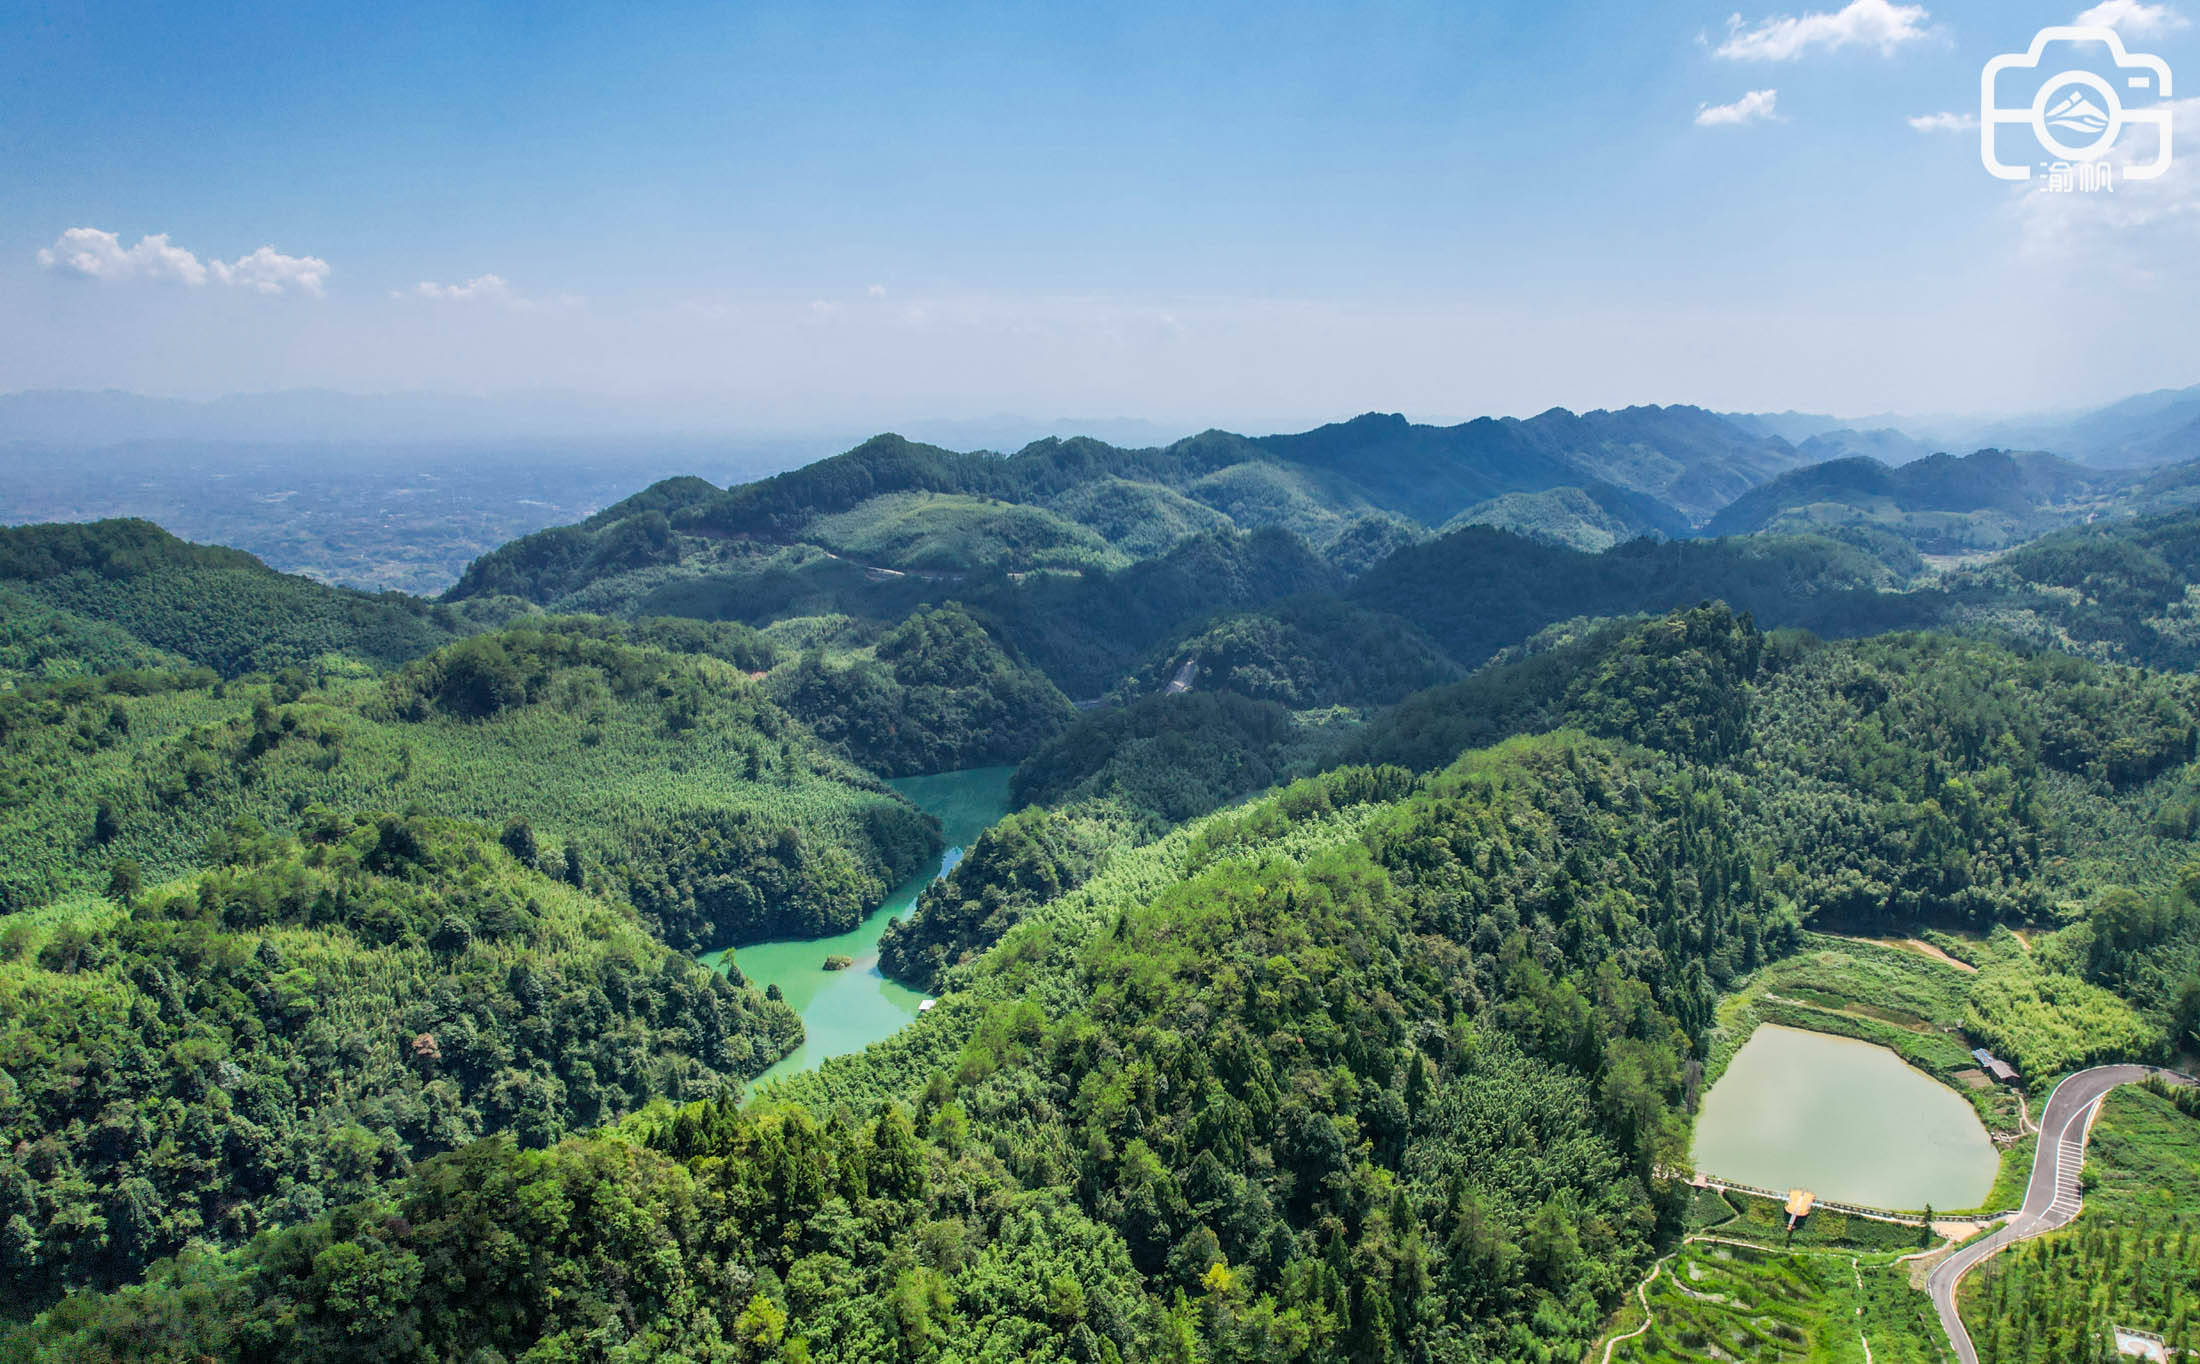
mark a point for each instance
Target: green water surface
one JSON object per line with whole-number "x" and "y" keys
{"x": 1849, "y": 1121}
{"x": 848, "y": 1010}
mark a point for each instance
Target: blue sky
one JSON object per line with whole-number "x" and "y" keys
{"x": 784, "y": 216}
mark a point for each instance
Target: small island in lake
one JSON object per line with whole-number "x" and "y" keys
{"x": 836, "y": 962}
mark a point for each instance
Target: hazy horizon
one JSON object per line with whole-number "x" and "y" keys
{"x": 569, "y": 415}
{"x": 1276, "y": 217}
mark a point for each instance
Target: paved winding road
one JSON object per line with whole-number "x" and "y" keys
{"x": 2050, "y": 1200}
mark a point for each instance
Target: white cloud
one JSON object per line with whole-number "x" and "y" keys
{"x": 486, "y": 289}
{"x": 2132, "y": 18}
{"x": 1754, "y": 107}
{"x": 1861, "y": 23}
{"x": 479, "y": 289}
{"x": 2145, "y": 231}
{"x": 877, "y": 291}
{"x": 1944, "y": 123}
{"x": 269, "y": 271}
{"x": 94, "y": 254}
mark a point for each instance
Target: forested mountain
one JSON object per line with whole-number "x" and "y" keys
{"x": 2120, "y": 590}
{"x": 41, "y": 643}
{"x": 1239, "y": 1190}
{"x": 2114, "y": 590}
{"x": 1029, "y": 859}
{"x": 270, "y": 939}
{"x": 1478, "y": 590}
{"x": 895, "y": 505}
{"x": 1302, "y": 652}
{"x": 1376, "y": 895}
{"x": 2145, "y": 429}
{"x": 1884, "y": 444}
{"x": 1940, "y": 504}
{"x": 1895, "y": 780}
{"x": 217, "y": 607}
{"x": 1685, "y": 457}
{"x": 1966, "y": 783}
{"x": 299, "y": 1023}
{"x": 670, "y": 772}
{"x": 1372, "y": 1067}
{"x": 2148, "y": 428}
{"x": 1592, "y": 519}
{"x": 936, "y": 694}
{"x": 1080, "y": 558}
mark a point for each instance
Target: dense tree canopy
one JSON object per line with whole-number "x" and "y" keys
{"x": 217, "y": 607}
{"x": 939, "y": 694}
{"x": 297, "y": 1025}
{"x": 1275, "y": 1112}
{"x": 346, "y": 946}
{"x": 1027, "y": 859}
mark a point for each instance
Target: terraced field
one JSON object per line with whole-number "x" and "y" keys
{"x": 1720, "y": 1299}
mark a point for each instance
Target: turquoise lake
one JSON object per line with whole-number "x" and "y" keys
{"x": 847, "y": 1010}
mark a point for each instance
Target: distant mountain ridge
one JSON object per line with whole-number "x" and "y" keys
{"x": 1692, "y": 460}
{"x": 2150, "y": 428}
{"x": 1943, "y": 503}
{"x": 1595, "y": 517}
{"x": 1987, "y": 479}
{"x": 2161, "y": 427}
{"x": 1667, "y": 466}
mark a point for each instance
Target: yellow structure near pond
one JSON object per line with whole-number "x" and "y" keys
{"x": 1798, "y": 1205}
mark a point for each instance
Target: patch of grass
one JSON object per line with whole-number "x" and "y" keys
{"x": 1764, "y": 1221}
{"x": 2015, "y": 1173}
{"x": 2144, "y": 1158}
{"x": 1708, "y": 1208}
{"x": 1716, "y": 1301}
{"x": 1850, "y": 987}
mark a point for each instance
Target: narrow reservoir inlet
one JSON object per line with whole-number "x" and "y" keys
{"x": 848, "y": 1009}
{"x": 1848, "y": 1120}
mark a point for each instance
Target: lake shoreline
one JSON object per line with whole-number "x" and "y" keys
{"x": 846, "y": 1007}
{"x": 1846, "y": 1118}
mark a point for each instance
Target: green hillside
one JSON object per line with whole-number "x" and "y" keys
{"x": 1341, "y": 988}
{"x": 935, "y": 693}
{"x": 1592, "y": 519}
{"x": 286, "y": 1031}
{"x": 1893, "y": 780}
{"x": 1691, "y": 461}
{"x": 1303, "y": 652}
{"x": 220, "y": 608}
{"x": 603, "y": 747}
{"x": 1453, "y": 1012}
{"x": 682, "y": 547}
{"x": 1143, "y": 520}
{"x": 1940, "y": 504}
{"x": 957, "y": 533}
{"x": 1223, "y": 1158}
{"x": 1477, "y": 590}
{"x": 42, "y": 643}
